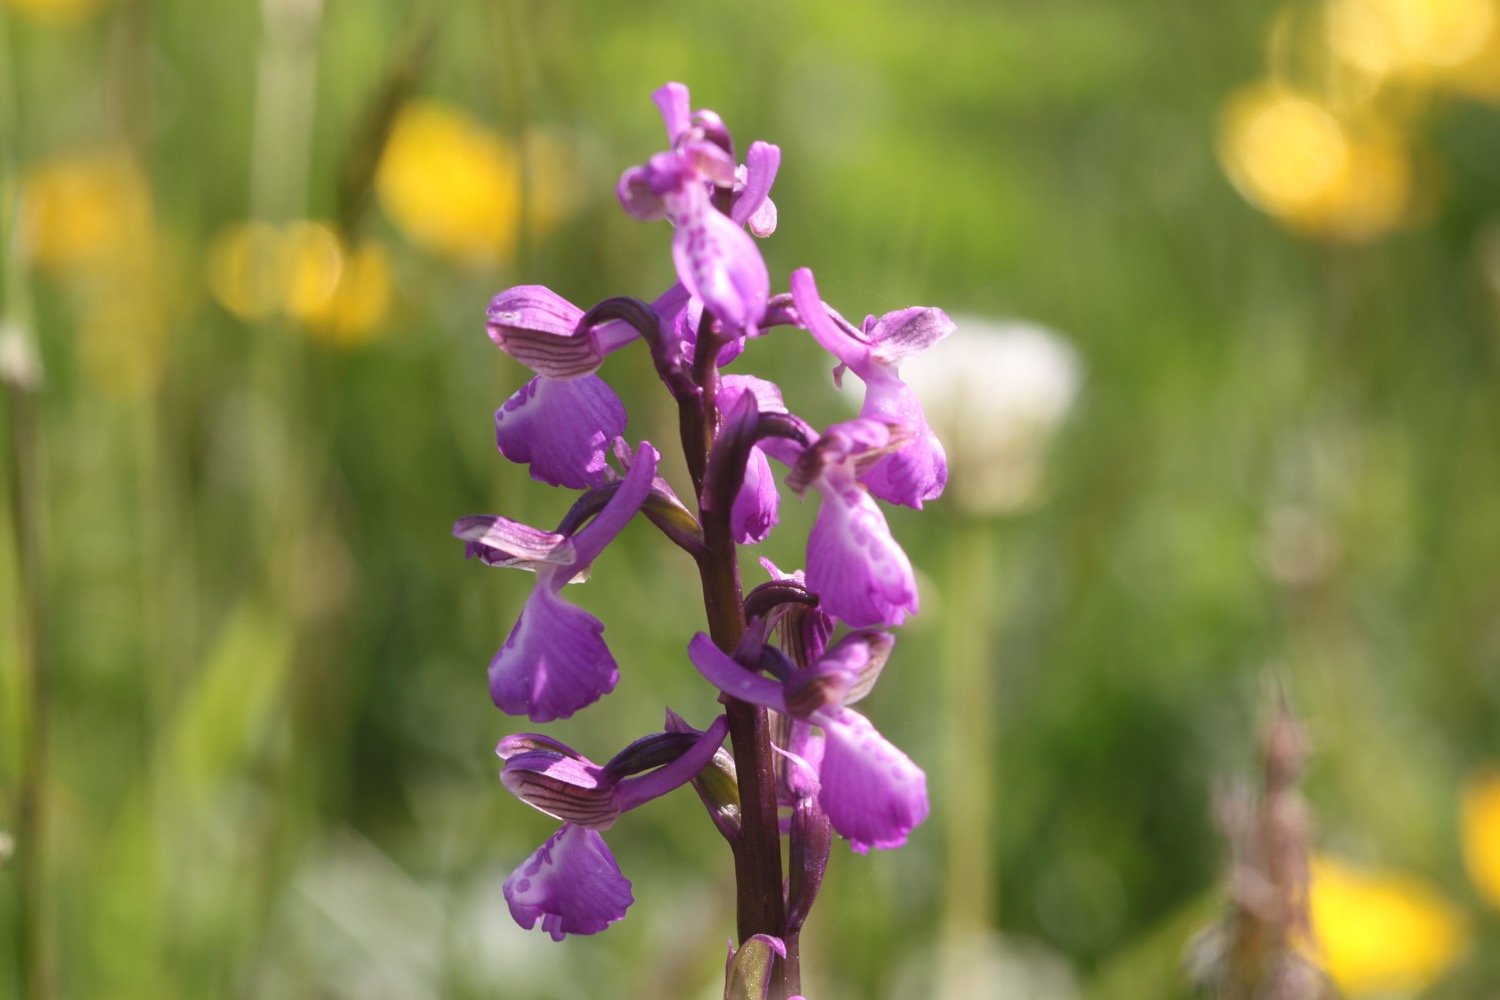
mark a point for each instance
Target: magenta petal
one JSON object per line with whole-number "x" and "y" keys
{"x": 555, "y": 660}
{"x": 643, "y": 788}
{"x": 761, "y": 163}
{"x": 720, "y": 264}
{"x": 638, "y": 195}
{"x": 499, "y": 541}
{"x": 709, "y": 162}
{"x": 853, "y": 564}
{"x": 767, "y": 394}
{"x": 563, "y": 786}
{"x": 562, "y": 429}
{"x": 872, "y": 792}
{"x": 834, "y": 339}
{"x": 757, "y": 506}
{"x": 724, "y": 673}
{"x": 918, "y": 471}
{"x": 571, "y": 884}
{"x": 519, "y": 743}
{"x": 762, "y": 221}
{"x": 905, "y": 332}
{"x": 676, "y": 109}
{"x": 591, "y": 539}
{"x": 532, "y": 307}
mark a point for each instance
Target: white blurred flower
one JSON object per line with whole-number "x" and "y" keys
{"x": 996, "y": 392}
{"x": 986, "y": 966}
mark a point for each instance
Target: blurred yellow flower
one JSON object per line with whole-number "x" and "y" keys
{"x": 1295, "y": 160}
{"x": 302, "y": 270}
{"x": 353, "y": 313}
{"x": 1481, "y": 834}
{"x": 312, "y": 264}
{"x": 56, "y": 11}
{"x": 1479, "y": 75}
{"x": 451, "y": 185}
{"x": 1380, "y": 931}
{"x": 88, "y": 219}
{"x": 85, "y": 211}
{"x": 244, "y": 269}
{"x": 1408, "y": 37}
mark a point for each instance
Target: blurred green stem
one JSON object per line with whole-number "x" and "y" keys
{"x": 516, "y": 99}
{"x": 20, "y": 371}
{"x": 970, "y": 749}
{"x": 286, "y": 84}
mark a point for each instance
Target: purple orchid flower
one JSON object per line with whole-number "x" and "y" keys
{"x": 555, "y": 660}
{"x": 562, "y": 423}
{"x": 862, "y": 576}
{"x": 716, "y": 260}
{"x": 572, "y": 883}
{"x": 872, "y": 792}
{"x": 919, "y": 471}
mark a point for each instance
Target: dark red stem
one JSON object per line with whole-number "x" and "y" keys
{"x": 760, "y": 905}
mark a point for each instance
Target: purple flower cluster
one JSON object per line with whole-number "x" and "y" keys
{"x": 785, "y": 680}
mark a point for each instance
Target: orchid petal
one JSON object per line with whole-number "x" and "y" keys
{"x": 857, "y": 443}
{"x": 762, "y": 221}
{"x": 767, "y": 394}
{"x": 872, "y": 792}
{"x": 843, "y": 675}
{"x": 676, "y": 108}
{"x": 499, "y": 541}
{"x": 762, "y": 160}
{"x": 591, "y": 539}
{"x": 568, "y": 788}
{"x": 919, "y": 470}
{"x": 757, "y": 505}
{"x": 710, "y": 162}
{"x": 639, "y": 790}
{"x": 900, "y": 334}
{"x": 732, "y": 678}
{"x": 720, "y": 264}
{"x": 572, "y": 884}
{"x": 842, "y": 344}
{"x": 853, "y": 564}
{"x": 562, "y": 429}
{"x": 519, "y": 743}
{"x": 539, "y": 328}
{"x": 532, "y": 307}
{"x": 639, "y": 196}
{"x": 555, "y": 660}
